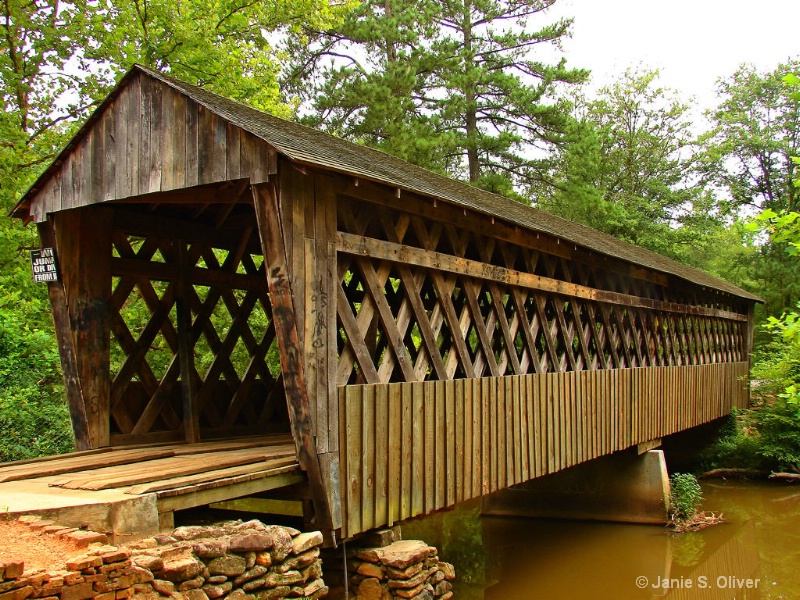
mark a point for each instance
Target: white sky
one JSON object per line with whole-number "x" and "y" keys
{"x": 691, "y": 42}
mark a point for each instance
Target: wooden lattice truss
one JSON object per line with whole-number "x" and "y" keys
{"x": 420, "y": 299}
{"x": 212, "y": 286}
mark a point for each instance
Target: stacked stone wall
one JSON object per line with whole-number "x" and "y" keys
{"x": 231, "y": 561}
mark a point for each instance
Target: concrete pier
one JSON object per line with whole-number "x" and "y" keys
{"x": 622, "y": 487}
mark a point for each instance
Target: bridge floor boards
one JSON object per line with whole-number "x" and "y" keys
{"x": 177, "y": 475}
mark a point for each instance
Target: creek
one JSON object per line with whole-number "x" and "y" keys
{"x": 755, "y": 554}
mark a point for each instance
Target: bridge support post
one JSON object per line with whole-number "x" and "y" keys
{"x": 623, "y": 487}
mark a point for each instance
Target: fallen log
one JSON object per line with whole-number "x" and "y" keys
{"x": 793, "y": 477}
{"x": 731, "y": 474}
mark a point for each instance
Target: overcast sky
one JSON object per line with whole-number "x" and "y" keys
{"x": 692, "y": 42}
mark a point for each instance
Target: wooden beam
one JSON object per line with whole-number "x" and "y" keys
{"x": 66, "y": 349}
{"x": 195, "y": 275}
{"x": 267, "y": 210}
{"x": 399, "y": 253}
{"x": 237, "y": 487}
{"x": 191, "y": 410}
{"x": 84, "y": 250}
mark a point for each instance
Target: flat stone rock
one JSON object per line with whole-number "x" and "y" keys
{"x": 151, "y": 563}
{"x": 163, "y": 587}
{"x": 210, "y": 548}
{"x": 217, "y": 591}
{"x": 368, "y": 569}
{"x": 274, "y": 593}
{"x": 251, "y": 542}
{"x": 371, "y": 589}
{"x": 399, "y": 555}
{"x": 448, "y": 570}
{"x": 180, "y": 570}
{"x": 306, "y": 541}
{"x": 190, "y": 532}
{"x": 14, "y": 569}
{"x": 232, "y": 566}
{"x": 195, "y": 595}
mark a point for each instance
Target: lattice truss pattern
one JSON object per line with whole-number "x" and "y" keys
{"x": 234, "y": 372}
{"x": 402, "y": 322}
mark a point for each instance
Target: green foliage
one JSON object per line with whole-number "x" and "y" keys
{"x": 34, "y": 420}
{"x": 224, "y": 45}
{"x": 748, "y": 160}
{"x": 454, "y": 86}
{"x": 780, "y": 362}
{"x": 627, "y": 169}
{"x": 779, "y": 429}
{"x": 685, "y": 497}
{"x": 738, "y": 445}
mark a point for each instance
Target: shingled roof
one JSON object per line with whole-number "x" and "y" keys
{"x": 312, "y": 147}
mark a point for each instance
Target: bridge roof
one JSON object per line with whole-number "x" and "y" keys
{"x": 312, "y": 147}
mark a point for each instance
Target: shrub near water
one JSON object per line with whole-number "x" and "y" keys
{"x": 685, "y": 498}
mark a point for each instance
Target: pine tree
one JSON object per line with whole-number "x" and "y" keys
{"x": 452, "y": 85}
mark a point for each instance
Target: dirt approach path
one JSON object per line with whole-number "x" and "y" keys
{"x": 37, "y": 549}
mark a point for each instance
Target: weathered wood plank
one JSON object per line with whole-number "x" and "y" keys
{"x": 84, "y": 251}
{"x": 463, "y": 433}
{"x": 409, "y": 424}
{"x": 395, "y": 448}
{"x": 478, "y": 424}
{"x": 382, "y": 453}
{"x": 450, "y": 432}
{"x": 190, "y": 403}
{"x": 212, "y": 475}
{"x": 354, "y": 436}
{"x": 192, "y": 176}
{"x": 66, "y": 350}
{"x": 383, "y": 250}
{"x": 418, "y": 484}
{"x": 283, "y": 311}
{"x": 368, "y": 457}
{"x": 441, "y": 441}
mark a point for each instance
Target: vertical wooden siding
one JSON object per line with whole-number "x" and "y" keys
{"x": 151, "y": 138}
{"x": 412, "y": 448}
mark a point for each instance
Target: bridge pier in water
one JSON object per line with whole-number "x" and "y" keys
{"x": 622, "y": 487}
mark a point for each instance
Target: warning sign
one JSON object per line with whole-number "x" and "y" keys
{"x": 43, "y": 264}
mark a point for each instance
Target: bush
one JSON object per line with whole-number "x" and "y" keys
{"x": 779, "y": 429}
{"x": 738, "y": 445}
{"x": 685, "y": 497}
{"x": 34, "y": 418}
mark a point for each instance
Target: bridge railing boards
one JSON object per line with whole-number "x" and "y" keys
{"x": 412, "y": 448}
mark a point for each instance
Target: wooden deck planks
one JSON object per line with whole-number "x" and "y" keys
{"x": 165, "y": 468}
{"x": 118, "y": 456}
{"x": 265, "y": 466}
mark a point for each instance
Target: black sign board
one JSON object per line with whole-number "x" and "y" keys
{"x": 43, "y": 264}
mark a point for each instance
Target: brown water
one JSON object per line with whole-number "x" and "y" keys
{"x": 756, "y": 554}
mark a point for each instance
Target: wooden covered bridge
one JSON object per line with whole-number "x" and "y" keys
{"x": 225, "y": 274}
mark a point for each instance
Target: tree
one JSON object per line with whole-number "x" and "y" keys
{"x": 756, "y": 131}
{"x": 459, "y": 89}
{"x": 627, "y": 168}
{"x": 369, "y": 80}
{"x": 749, "y": 159}
{"x": 224, "y": 45}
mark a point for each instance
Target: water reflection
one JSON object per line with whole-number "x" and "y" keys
{"x": 604, "y": 561}
{"x": 755, "y": 556}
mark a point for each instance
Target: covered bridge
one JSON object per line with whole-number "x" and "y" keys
{"x": 225, "y": 273}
